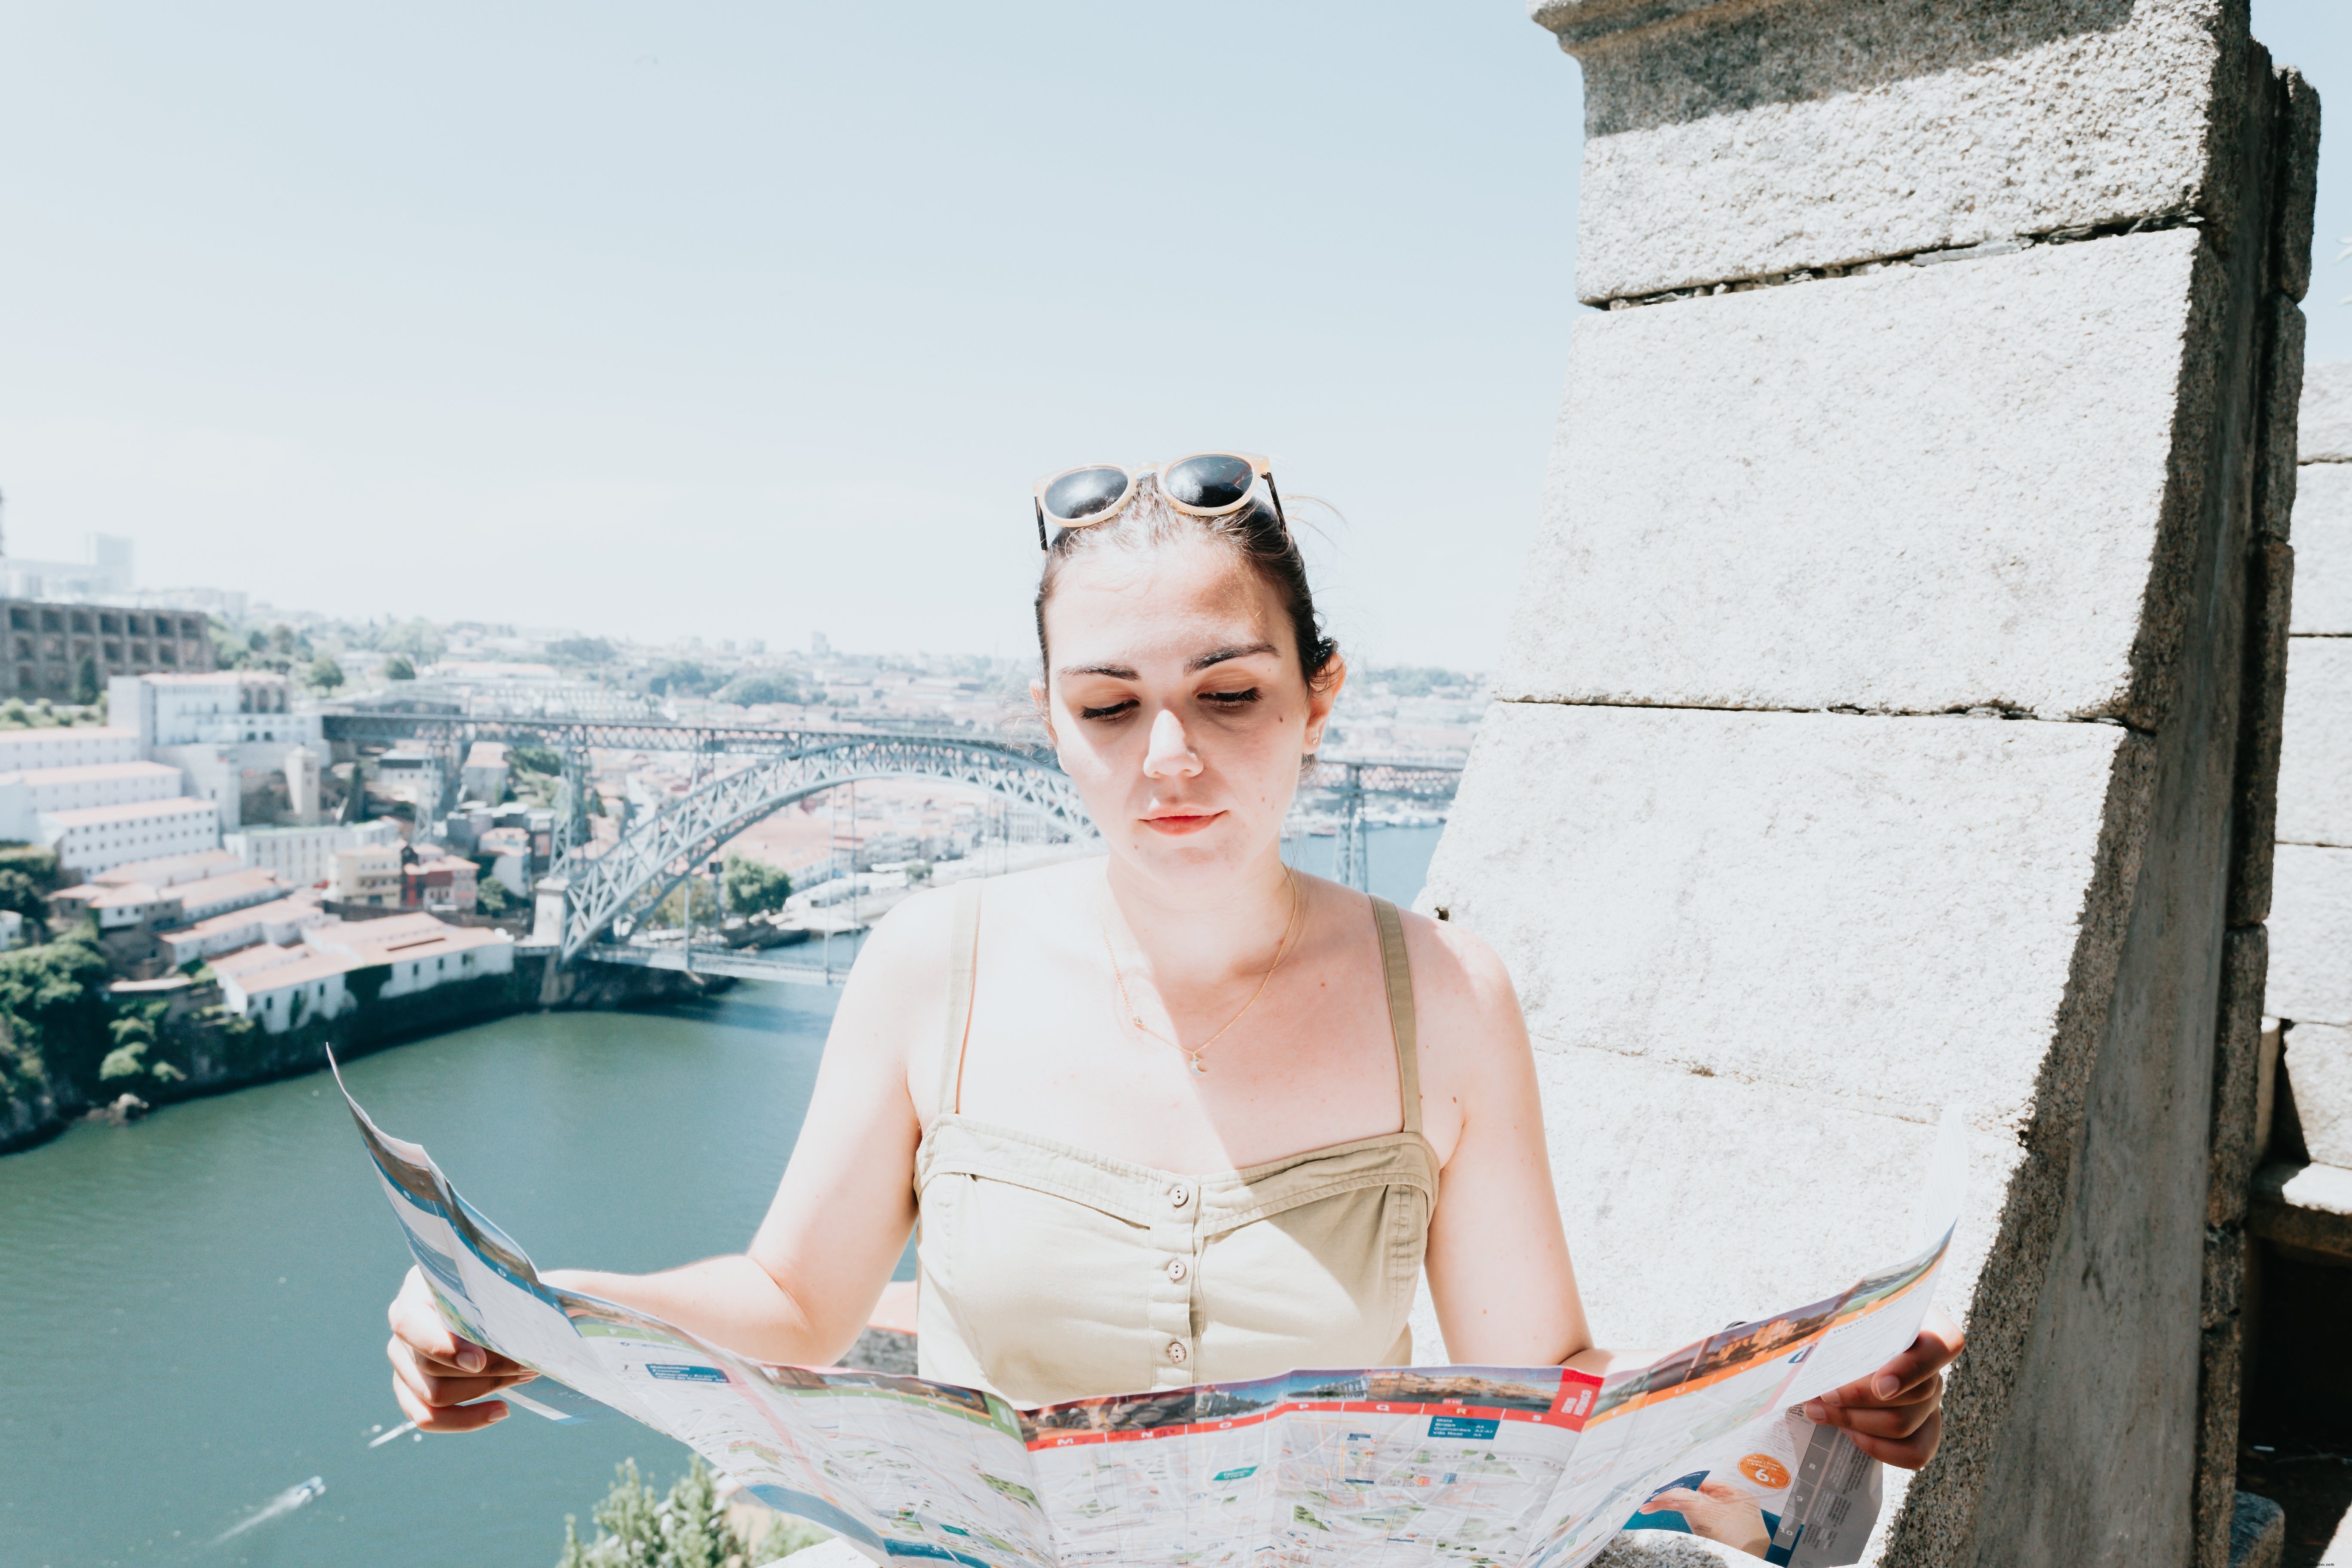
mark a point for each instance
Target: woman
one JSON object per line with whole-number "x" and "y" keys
{"x": 1176, "y": 1114}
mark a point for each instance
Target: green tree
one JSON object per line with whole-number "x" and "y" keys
{"x": 754, "y": 886}
{"x": 134, "y": 1035}
{"x": 682, "y": 677}
{"x": 765, "y": 687}
{"x": 397, "y": 667}
{"x": 325, "y": 673}
{"x": 85, "y": 686}
{"x": 23, "y": 895}
{"x": 492, "y": 897}
{"x": 580, "y": 650}
{"x": 420, "y": 640}
{"x": 536, "y": 760}
{"x": 688, "y": 1529}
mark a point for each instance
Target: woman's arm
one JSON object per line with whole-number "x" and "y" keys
{"x": 803, "y": 1290}
{"x": 1497, "y": 1259}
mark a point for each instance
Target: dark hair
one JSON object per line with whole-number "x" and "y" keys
{"x": 1255, "y": 532}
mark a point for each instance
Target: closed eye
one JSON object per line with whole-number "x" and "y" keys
{"x": 1113, "y": 712}
{"x": 1230, "y": 699}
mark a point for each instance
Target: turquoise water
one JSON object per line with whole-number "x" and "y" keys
{"x": 194, "y": 1306}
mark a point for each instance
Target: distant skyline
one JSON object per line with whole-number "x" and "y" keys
{"x": 753, "y": 322}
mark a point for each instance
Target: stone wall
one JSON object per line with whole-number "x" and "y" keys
{"x": 1890, "y": 715}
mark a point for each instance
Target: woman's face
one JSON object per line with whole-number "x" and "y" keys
{"x": 1177, "y": 703}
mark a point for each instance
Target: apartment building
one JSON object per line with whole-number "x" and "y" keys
{"x": 52, "y": 647}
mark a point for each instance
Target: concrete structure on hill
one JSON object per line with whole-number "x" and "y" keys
{"x": 52, "y": 647}
{"x": 1890, "y": 716}
{"x": 68, "y": 746}
{"x": 26, "y": 794}
{"x": 368, "y": 874}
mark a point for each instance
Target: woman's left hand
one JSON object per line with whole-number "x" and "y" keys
{"x": 1897, "y": 1414}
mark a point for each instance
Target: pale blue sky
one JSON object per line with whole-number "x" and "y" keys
{"x": 754, "y": 321}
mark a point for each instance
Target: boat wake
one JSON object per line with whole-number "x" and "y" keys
{"x": 279, "y": 1507}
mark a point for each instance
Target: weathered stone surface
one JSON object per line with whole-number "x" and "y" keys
{"x": 2262, "y": 724}
{"x": 2219, "y": 1377}
{"x": 2327, "y": 421}
{"x": 2298, "y": 195}
{"x": 2322, "y": 563}
{"x": 2317, "y": 1061}
{"x": 2303, "y": 1205}
{"x": 2237, "y": 1080}
{"x": 2257, "y": 1532}
{"x": 2311, "y": 935}
{"x": 1799, "y": 898}
{"x": 1749, "y": 141}
{"x": 1841, "y": 495}
{"x": 2315, "y": 769}
{"x": 2274, "y": 464}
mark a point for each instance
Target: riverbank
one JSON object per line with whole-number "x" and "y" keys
{"x": 73, "y": 1045}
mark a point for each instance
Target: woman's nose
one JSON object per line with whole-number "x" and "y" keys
{"x": 1171, "y": 750}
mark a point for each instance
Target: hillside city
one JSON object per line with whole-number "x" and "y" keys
{"x": 169, "y": 795}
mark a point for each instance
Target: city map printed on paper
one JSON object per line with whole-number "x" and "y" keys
{"x": 1370, "y": 1468}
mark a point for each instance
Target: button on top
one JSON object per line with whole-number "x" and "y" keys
{"x": 1178, "y": 1197}
{"x": 1176, "y": 1269}
{"x": 1176, "y": 1352}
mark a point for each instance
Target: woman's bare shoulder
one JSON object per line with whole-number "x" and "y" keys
{"x": 1461, "y": 990}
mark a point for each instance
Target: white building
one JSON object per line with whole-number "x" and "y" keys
{"x": 228, "y": 731}
{"x": 68, "y": 746}
{"x": 25, "y": 794}
{"x": 305, "y": 857}
{"x": 413, "y": 774}
{"x": 277, "y": 923}
{"x": 282, "y": 987}
{"x": 173, "y": 892}
{"x": 367, "y": 875}
{"x": 98, "y": 838}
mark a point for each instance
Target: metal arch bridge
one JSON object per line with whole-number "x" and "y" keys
{"x": 788, "y": 765}
{"x": 583, "y": 896}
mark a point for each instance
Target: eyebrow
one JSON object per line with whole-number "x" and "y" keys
{"x": 1239, "y": 650}
{"x": 1214, "y": 655}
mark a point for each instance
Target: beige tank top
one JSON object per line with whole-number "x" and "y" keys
{"x": 1051, "y": 1272}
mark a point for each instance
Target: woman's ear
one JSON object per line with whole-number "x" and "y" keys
{"x": 1322, "y": 696}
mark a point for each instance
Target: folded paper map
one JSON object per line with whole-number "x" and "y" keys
{"x": 1487, "y": 1466}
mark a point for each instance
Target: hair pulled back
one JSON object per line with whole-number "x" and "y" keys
{"x": 1255, "y": 533}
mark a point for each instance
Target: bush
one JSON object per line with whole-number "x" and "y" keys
{"x": 746, "y": 691}
{"x": 688, "y": 1529}
{"x": 397, "y": 667}
{"x": 536, "y": 760}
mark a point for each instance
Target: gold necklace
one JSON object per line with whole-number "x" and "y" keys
{"x": 1136, "y": 1018}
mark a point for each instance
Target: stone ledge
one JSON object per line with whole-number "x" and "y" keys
{"x": 1728, "y": 142}
{"x": 1838, "y": 495}
{"x": 2311, "y": 933}
{"x": 2316, "y": 1060}
{"x": 2306, "y": 1206}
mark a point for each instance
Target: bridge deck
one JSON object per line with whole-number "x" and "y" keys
{"x": 737, "y": 963}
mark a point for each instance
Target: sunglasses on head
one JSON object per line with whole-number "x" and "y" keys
{"x": 1207, "y": 484}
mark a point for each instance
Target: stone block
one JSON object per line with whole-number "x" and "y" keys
{"x": 2311, "y": 934}
{"x": 1841, "y": 495}
{"x": 2276, "y": 460}
{"x": 2326, "y": 435}
{"x": 1799, "y": 899}
{"x": 2237, "y": 1082}
{"x": 2315, "y": 767}
{"x": 1747, "y": 141}
{"x": 2306, "y": 1206}
{"x": 2298, "y": 191}
{"x": 2323, "y": 550}
{"x": 2261, "y": 723}
{"x": 2257, "y": 1532}
{"x": 2317, "y": 1061}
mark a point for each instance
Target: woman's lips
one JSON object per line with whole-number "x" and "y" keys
{"x": 1176, "y": 826}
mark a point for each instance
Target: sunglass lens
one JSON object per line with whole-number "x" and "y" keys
{"x": 1211, "y": 481}
{"x": 1082, "y": 492}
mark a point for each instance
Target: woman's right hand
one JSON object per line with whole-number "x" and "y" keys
{"x": 435, "y": 1372}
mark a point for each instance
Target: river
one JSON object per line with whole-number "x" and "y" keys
{"x": 193, "y": 1305}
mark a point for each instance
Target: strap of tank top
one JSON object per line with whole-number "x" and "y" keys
{"x": 963, "y": 953}
{"x": 1398, "y": 973}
